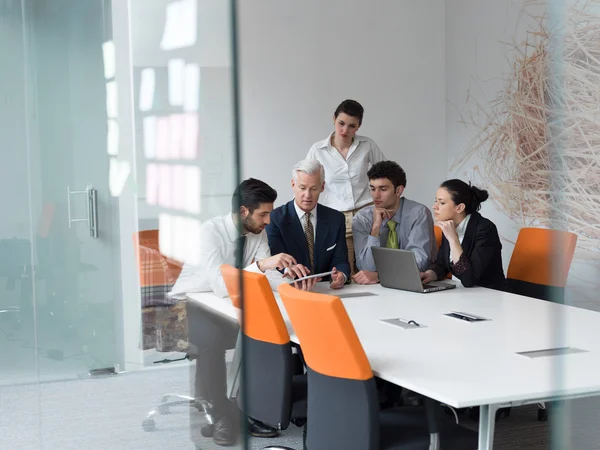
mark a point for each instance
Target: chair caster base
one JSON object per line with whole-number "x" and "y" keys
{"x": 207, "y": 431}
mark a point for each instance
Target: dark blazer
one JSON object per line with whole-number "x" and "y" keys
{"x": 286, "y": 235}
{"x": 481, "y": 261}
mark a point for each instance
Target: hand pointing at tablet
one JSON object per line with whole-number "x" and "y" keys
{"x": 300, "y": 272}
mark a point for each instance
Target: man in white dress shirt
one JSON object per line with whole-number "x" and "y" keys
{"x": 220, "y": 240}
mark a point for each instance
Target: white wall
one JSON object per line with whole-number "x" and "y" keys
{"x": 298, "y": 61}
{"x": 479, "y": 39}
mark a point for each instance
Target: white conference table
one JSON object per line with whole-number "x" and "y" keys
{"x": 462, "y": 363}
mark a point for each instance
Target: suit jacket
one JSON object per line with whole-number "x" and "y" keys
{"x": 286, "y": 235}
{"x": 481, "y": 261}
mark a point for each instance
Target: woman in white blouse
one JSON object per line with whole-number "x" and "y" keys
{"x": 346, "y": 158}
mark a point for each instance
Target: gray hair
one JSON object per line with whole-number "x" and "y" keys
{"x": 309, "y": 167}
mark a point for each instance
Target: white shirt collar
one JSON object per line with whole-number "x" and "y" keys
{"x": 326, "y": 143}
{"x": 301, "y": 213}
{"x": 232, "y": 231}
{"x": 461, "y": 228}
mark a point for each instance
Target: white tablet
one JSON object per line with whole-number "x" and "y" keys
{"x": 316, "y": 275}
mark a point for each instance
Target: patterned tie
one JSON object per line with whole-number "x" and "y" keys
{"x": 239, "y": 251}
{"x": 392, "y": 239}
{"x": 310, "y": 240}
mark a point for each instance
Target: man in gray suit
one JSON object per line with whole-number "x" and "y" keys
{"x": 392, "y": 221}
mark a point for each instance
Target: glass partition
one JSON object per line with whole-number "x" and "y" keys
{"x": 117, "y": 143}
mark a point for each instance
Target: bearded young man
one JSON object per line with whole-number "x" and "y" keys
{"x": 221, "y": 238}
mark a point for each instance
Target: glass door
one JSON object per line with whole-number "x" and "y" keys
{"x": 58, "y": 243}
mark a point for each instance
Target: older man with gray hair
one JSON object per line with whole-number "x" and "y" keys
{"x": 313, "y": 234}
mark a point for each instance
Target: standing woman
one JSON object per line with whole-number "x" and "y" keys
{"x": 471, "y": 248}
{"x": 346, "y": 158}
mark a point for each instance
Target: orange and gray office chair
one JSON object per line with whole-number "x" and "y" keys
{"x": 164, "y": 324}
{"x": 274, "y": 395}
{"x": 438, "y": 236}
{"x": 343, "y": 404}
{"x": 540, "y": 262}
{"x": 438, "y": 240}
{"x": 539, "y": 267}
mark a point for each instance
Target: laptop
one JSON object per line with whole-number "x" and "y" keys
{"x": 398, "y": 269}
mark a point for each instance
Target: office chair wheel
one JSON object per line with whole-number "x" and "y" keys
{"x": 149, "y": 425}
{"x": 163, "y": 409}
{"x": 542, "y": 415}
{"x": 207, "y": 431}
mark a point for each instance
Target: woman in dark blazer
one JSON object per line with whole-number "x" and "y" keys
{"x": 471, "y": 248}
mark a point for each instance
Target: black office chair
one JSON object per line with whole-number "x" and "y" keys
{"x": 274, "y": 395}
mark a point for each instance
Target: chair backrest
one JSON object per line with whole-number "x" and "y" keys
{"x": 231, "y": 277}
{"x": 157, "y": 272}
{"x": 343, "y": 406}
{"x": 438, "y": 236}
{"x": 148, "y": 238}
{"x": 267, "y": 358}
{"x": 540, "y": 262}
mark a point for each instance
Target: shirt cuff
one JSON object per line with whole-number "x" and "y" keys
{"x": 253, "y": 268}
{"x": 461, "y": 266}
{"x": 373, "y": 241}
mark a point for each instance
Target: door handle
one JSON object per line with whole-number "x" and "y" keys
{"x": 91, "y": 196}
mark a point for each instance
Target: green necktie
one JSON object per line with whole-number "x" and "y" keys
{"x": 392, "y": 239}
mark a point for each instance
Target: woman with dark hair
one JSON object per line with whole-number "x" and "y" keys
{"x": 471, "y": 248}
{"x": 346, "y": 158}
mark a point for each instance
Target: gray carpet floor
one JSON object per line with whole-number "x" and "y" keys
{"x": 107, "y": 413}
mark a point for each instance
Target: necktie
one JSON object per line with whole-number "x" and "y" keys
{"x": 392, "y": 239}
{"x": 239, "y": 251}
{"x": 310, "y": 240}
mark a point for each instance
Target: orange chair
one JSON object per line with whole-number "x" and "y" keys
{"x": 539, "y": 267}
{"x": 540, "y": 262}
{"x": 273, "y": 395}
{"x": 343, "y": 403}
{"x": 438, "y": 239}
{"x": 157, "y": 272}
{"x": 164, "y": 322}
{"x": 438, "y": 236}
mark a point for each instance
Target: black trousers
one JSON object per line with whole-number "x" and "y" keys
{"x": 211, "y": 335}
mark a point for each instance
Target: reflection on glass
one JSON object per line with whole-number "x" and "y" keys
{"x": 148, "y": 85}
{"x": 181, "y": 27}
{"x": 176, "y": 81}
